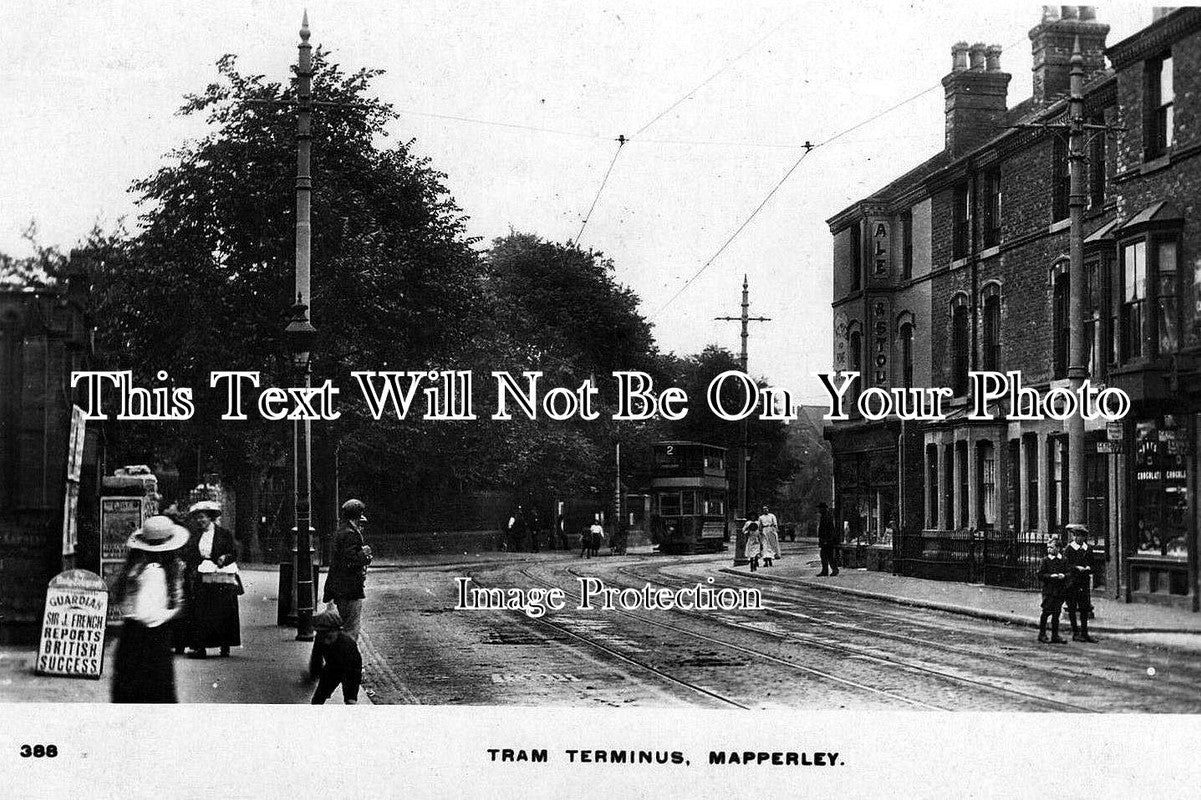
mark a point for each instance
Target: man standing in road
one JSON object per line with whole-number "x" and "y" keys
{"x": 348, "y": 568}
{"x": 770, "y": 528}
{"x": 1080, "y": 581}
{"x": 827, "y": 541}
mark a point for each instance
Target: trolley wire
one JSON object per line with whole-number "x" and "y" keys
{"x": 621, "y": 140}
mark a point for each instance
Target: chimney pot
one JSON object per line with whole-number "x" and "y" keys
{"x": 977, "y": 55}
{"x": 993, "y": 56}
{"x": 1050, "y": 13}
{"x": 1088, "y": 13}
{"x": 1067, "y": 12}
{"x": 959, "y": 56}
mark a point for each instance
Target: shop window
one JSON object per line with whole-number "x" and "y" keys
{"x": 992, "y": 330}
{"x": 960, "y": 345}
{"x": 1159, "y": 114}
{"x": 1060, "y": 179}
{"x": 961, "y": 218}
{"x": 1060, "y": 322}
{"x": 907, "y": 244}
{"x": 986, "y": 470}
{"x": 992, "y": 207}
{"x": 856, "y": 257}
{"x": 1161, "y": 487}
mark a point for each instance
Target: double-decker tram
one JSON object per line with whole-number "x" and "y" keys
{"x": 689, "y": 488}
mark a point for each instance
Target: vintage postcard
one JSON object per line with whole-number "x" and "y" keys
{"x": 638, "y": 398}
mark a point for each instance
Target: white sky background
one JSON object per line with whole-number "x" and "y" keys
{"x": 88, "y": 100}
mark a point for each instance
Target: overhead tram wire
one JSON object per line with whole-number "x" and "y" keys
{"x": 808, "y": 149}
{"x": 621, "y": 139}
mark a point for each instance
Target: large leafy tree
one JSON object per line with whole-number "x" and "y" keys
{"x": 207, "y": 281}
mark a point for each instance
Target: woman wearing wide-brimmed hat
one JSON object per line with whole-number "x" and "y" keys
{"x": 150, "y": 593}
{"x": 213, "y": 584}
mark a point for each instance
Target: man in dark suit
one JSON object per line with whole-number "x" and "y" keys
{"x": 827, "y": 541}
{"x": 348, "y": 568}
{"x": 1080, "y": 581}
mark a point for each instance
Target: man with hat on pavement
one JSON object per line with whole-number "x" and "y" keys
{"x": 1080, "y": 584}
{"x": 348, "y": 568}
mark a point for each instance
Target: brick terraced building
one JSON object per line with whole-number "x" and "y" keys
{"x": 962, "y": 264}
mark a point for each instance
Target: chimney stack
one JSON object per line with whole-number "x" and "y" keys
{"x": 976, "y": 92}
{"x": 1052, "y": 42}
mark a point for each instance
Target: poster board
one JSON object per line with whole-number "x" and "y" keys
{"x": 119, "y": 518}
{"x": 72, "y": 640}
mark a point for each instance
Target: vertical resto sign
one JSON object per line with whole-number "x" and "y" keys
{"x": 72, "y": 641}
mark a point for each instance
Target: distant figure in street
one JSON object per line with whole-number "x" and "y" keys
{"x": 827, "y": 541}
{"x": 212, "y": 584}
{"x": 531, "y": 527}
{"x": 771, "y": 536}
{"x": 515, "y": 531}
{"x": 1053, "y": 572}
{"x": 1080, "y": 586}
{"x": 754, "y": 542}
{"x": 149, "y": 591}
{"x": 335, "y": 661}
{"x": 348, "y": 567}
{"x": 593, "y": 539}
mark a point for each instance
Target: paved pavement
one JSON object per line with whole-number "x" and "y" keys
{"x": 270, "y": 666}
{"x": 1015, "y": 607}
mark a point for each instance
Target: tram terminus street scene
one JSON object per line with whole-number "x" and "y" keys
{"x": 311, "y": 215}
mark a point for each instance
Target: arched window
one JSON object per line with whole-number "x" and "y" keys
{"x": 960, "y": 345}
{"x": 991, "y": 335}
{"x": 855, "y": 361}
{"x": 907, "y": 354}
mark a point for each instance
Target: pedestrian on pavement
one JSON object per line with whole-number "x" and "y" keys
{"x": 753, "y": 536}
{"x": 771, "y": 536}
{"x": 335, "y": 661}
{"x": 593, "y": 539}
{"x": 212, "y": 583}
{"x": 1080, "y": 586}
{"x": 1053, "y": 572}
{"x": 827, "y": 541}
{"x": 348, "y": 567}
{"x": 149, "y": 591}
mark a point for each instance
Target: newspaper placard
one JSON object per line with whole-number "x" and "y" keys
{"x": 119, "y": 518}
{"x": 70, "y": 518}
{"x": 72, "y": 641}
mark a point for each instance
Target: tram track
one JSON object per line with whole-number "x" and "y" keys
{"x": 864, "y": 654}
{"x": 754, "y": 653}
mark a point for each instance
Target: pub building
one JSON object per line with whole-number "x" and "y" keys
{"x": 961, "y": 264}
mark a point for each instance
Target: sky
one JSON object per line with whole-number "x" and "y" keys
{"x": 715, "y": 98}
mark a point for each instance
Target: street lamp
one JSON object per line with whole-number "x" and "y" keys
{"x": 300, "y": 336}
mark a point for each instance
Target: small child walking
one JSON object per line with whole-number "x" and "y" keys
{"x": 1053, "y": 572}
{"x": 335, "y": 660}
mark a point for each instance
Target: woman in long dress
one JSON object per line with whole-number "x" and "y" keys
{"x": 150, "y": 593}
{"x": 214, "y": 584}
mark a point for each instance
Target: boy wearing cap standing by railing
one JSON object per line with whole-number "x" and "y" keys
{"x": 1080, "y": 581}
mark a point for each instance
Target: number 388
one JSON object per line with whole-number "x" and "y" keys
{"x": 39, "y": 751}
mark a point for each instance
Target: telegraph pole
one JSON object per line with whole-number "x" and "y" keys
{"x": 743, "y": 459}
{"x": 1077, "y": 367}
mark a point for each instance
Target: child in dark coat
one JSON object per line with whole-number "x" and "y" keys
{"x": 335, "y": 660}
{"x": 1053, "y": 572}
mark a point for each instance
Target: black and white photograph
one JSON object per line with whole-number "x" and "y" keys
{"x": 606, "y": 398}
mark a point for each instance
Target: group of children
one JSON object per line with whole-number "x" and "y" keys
{"x": 1067, "y": 576}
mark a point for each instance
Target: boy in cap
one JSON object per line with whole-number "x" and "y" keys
{"x": 1053, "y": 572}
{"x": 1080, "y": 584}
{"x": 335, "y": 660}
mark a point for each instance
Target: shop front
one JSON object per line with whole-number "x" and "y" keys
{"x": 866, "y": 491}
